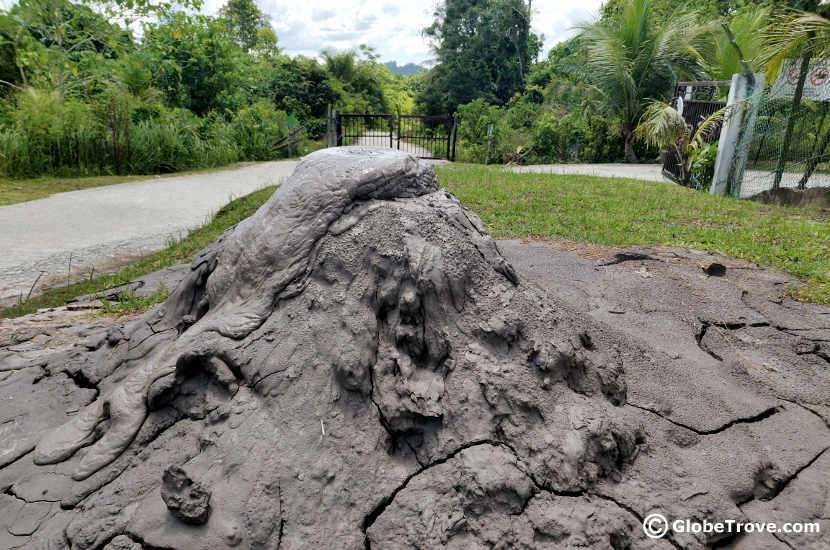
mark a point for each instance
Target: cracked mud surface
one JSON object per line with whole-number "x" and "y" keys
{"x": 381, "y": 375}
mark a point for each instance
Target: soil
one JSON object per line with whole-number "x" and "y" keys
{"x": 817, "y": 197}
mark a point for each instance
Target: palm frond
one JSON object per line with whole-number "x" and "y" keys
{"x": 792, "y": 34}
{"x": 661, "y": 125}
{"x": 711, "y": 124}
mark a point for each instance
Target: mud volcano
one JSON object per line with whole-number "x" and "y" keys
{"x": 358, "y": 366}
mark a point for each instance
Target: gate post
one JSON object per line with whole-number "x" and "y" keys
{"x": 738, "y": 127}
{"x": 399, "y": 131}
{"x": 454, "y": 135}
{"x": 328, "y": 125}
{"x": 338, "y": 128}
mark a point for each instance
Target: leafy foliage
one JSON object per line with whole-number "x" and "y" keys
{"x": 638, "y": 57}
{"x": 246, "y": 24}
{"x": 81, "y": 96}
{"x": 483, "y": 49}
{"x": 664, "y": 127}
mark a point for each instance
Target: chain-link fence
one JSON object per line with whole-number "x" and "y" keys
{"x": 780, "y": 144}
{"x": 774, "y": 159}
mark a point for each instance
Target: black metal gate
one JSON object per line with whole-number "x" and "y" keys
{"x": 696, "y": 101}
{"x": 429, "y": 137}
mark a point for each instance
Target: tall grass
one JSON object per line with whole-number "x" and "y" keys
{"x": 117, "y": 133}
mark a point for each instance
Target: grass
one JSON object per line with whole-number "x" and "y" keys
{"x": 129, "y": 303}
{"x": 13, "y": 191}
{"x": 620, "y": 212}
{"x": 605, "y": 211}
{"x": 176, "y": 252}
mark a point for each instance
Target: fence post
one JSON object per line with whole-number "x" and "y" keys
{"x": 736, "y": 132}
{"x": 489, "y": 139}
{"x": 399, "y": 131}
{"x": 328, "y": 125}
{"x": 338, "y": 128}
{"x": 454, "y": 136}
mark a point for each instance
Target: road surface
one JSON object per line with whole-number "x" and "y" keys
{"x": 103, "y": 227}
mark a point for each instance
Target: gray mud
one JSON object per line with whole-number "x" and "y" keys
{"x": 359, "y": 365}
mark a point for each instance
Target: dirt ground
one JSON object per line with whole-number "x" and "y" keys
{"x": 721, "y": 330}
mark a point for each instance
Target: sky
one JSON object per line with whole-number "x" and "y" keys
{"x": 392, "y": 27}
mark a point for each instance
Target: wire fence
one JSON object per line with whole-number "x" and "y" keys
{"x": 789, "y": 147}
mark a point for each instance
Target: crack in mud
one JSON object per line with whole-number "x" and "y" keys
{"x": 381, "y": 507}
{"x": 669, "y": 537}
{"x": 763, "y": 415}
{"x": 795, "y": 474}
{"x": 623, "y": 257}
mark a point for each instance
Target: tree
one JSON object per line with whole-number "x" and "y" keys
{"x": 483, "y": 49}
{"x": 636, "y": 57}
{"x": 359, "y": 82}
{"x": 245, "y": 21}
{"x": 57, "y": 44}
{"x": 197, "y": 65}
{"x": 303, "y": 87}
{"x": 747, "y": 26}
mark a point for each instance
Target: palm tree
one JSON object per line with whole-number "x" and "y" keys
{"x": 663, "y": 126}
{"x": 637, "y": 57}
{"x": 747, "y": 26}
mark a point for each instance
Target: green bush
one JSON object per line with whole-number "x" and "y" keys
{"x": 703, "y": 165}
{"x": 471, "y": 137}
{"x": 116, "y": 132}
{"x": 45, "y": 135}
{"x": 257, "y": 128}
{"x": 545, "y": 135}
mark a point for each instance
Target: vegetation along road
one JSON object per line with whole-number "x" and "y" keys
{"x": 102, "y": 225}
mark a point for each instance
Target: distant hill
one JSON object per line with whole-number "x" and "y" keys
{"x": 408, "y": 69}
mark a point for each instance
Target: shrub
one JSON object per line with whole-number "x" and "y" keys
{"x": 47, "y": 135}
{"x": 257, "y": 128}
{"x": 471, "y": 137}
{"x": 117, "y": 132}
{"x": 703, "y": 165}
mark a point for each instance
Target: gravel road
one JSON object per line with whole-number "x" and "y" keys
{"x": 106, "y": 226}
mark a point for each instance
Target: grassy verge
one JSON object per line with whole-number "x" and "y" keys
{"x": 178, "y": 251}
{"x": 617, "y": 212}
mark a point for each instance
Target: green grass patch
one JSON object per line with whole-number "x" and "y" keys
{"x": 622, "y": 212}
{"x": 129, "y": 303}
{"x": 176, "y": 252}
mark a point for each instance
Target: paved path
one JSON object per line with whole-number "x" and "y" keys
{"x": 103, "y": 226}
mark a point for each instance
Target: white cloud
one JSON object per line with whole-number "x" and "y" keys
{"x": 393, "y": 27}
